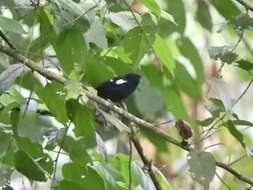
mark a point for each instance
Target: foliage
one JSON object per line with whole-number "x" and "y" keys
{"x": 88, "y": 42}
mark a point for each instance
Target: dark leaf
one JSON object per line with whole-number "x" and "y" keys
{"x": 245, "y": 65}
{"x": 28, "y": 167}
{"x": 203, "y": 15}
{"x": 235, "y": 132}
{"x": 243, "y": 22}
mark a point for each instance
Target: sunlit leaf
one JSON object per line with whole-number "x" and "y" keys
{"x": 152, "y": 5}
{"x": 164, "y": 54}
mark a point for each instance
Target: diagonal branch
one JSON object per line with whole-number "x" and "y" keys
{"x": 139, "y": 122}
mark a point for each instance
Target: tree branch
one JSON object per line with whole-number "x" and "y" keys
{"x": 245, "y": 4}
{"x": 139, "y": 122}
{"x": 147, "y": 163}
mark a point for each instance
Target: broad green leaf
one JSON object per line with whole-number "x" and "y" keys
{"x": 76, "y": 149}
{"x": 97, "y": 71}
{"x": 53, "y": 100}
{"x": 188, "y": 49}
{"x": 175, "y": 103}
{"x": 152, "y": 5}
{"x": 83, "y": 176}
{"x": 245, "y": 65}
{"x": 70, "y": 49}
{"x": 177, "y": 10}
{"x": 145, "y": 96}
{"x": 203, "y": 15}
{"x": 66, "y": 185}
{"x": 135, "y": 43}
{"x": 28, "y": 167}
{"x": 187, "y": 84}
{"x": 11, "y": 25}
{"x": 226, "y": 8}
{"x": 73, "y": 89}
{"x": 46, "y": 163}
{"x": 82, "y": 117}
{"x": 163, "y": 52}
{"x": 235, "y": 132}
{"x": 35, "y": 150}
{"x": 202, "y": 167}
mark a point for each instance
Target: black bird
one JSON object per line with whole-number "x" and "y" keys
{"x": 118, "y": 88}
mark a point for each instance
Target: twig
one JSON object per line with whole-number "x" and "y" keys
{"x": 130, "y": 162}
{"x": 245, "y": 4}
{"x": 146, "y": 162}
{"x": 139, "y": 122}
{"x": 5, "y": 38}
{"x": 222, "y": 181}
{"x": 58, "y": 155}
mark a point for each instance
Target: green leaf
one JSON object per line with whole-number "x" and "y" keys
{"x": 226, "y": 8}
{"x": 243, "y": 22}
{"x": 163, "y": 52}
{"x": 206, "y": 122}
{"x": 82, "y": 117}
{"x": 83, "y": 176}
{"x": 157, "y": 140}
{"x": 245, "y": 65}
{"x": 177, "y": 10}
{"x": 97, "y": 71}
{"x": 28, "y": 167}
{"x": 11, "y": 25}
{"x": 54, "y": 102}
{"x": 76, "y": 149}
{"x": 235, "y": 132}
{"x": 203, "y": 15}
{"x": 66, "y": 185}
{"x": 216, "y": 107}
{"x": 135, "y": 44}
{"x": 202, "y": 167}
{"x": 242, "y": 122}
{"x": 70, "y": 49}
{"x": 6, "y": 139}
{"x": 35, "y": 150}
{"x": 223, "y": 53}
{"x": 188, "y": 49}
{"x": 152, "y": 5}
{"x": 14, "y": 118}
{"x": 146, "y": 96}
{"x": 186, "y": 83}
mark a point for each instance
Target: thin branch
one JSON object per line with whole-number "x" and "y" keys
{"x": 246, "y": 5}
{"x": 222, "y": 181}
{"x": 5, "y": 38}
{"x": 139, "y": 122}
{"x": 130, "y": 161}
{"x": 147, "y": 163}
{"x": 58, "y": 155}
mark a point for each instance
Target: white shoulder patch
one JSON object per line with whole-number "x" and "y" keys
{"x": 120, "y": 81}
